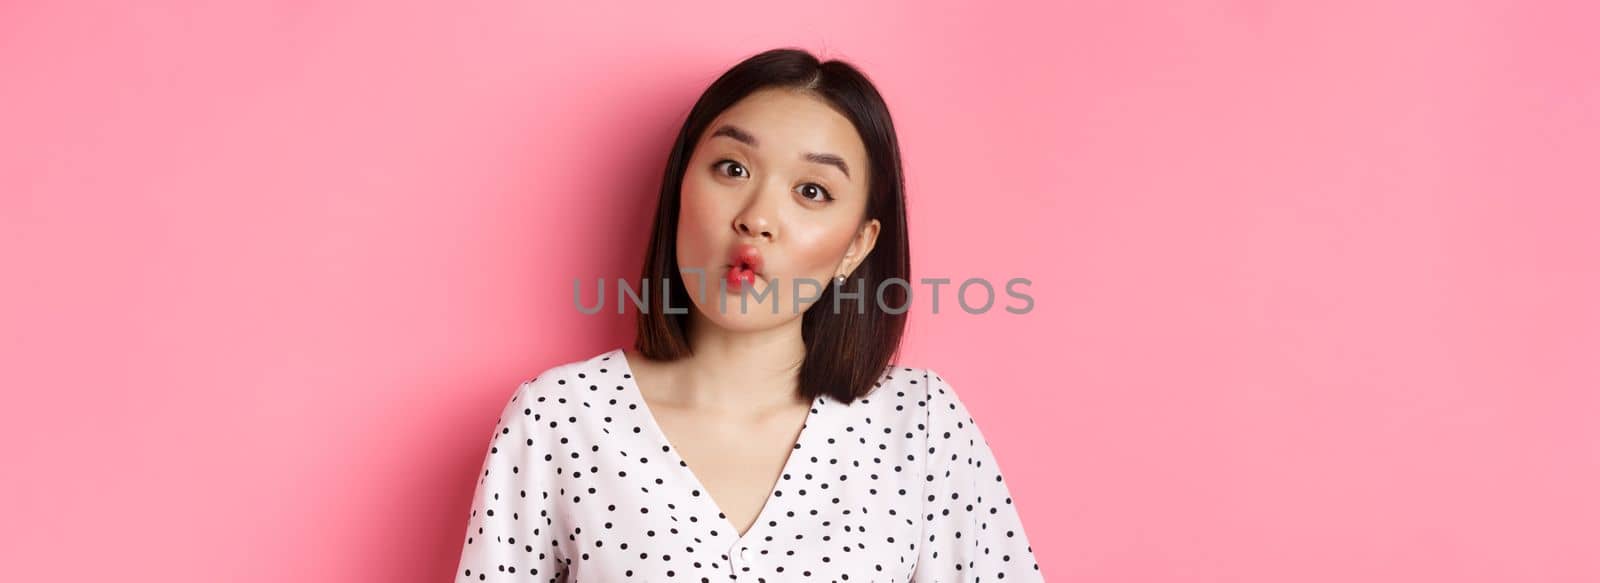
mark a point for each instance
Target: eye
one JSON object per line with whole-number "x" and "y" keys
{"x": 811, "y": 188}
{"x": 718, "y": 167}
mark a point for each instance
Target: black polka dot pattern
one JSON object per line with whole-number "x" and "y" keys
{"x": 580, "y": 484}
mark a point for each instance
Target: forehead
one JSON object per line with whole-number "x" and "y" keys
{"x": 788, "y": 123}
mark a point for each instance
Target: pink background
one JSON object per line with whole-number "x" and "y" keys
{"x": 1315, "y": 282}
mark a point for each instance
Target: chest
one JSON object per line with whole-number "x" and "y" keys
{"x": 637, "y": 496}
{"x": 736, "y": 466}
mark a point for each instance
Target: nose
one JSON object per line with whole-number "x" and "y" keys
{"x": 761, "y": 229}
{"x": 758, "y": 217}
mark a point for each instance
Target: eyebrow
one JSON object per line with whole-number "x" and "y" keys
{"x": 737, "y": 133}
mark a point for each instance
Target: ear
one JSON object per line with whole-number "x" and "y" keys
{"x": 860, "y": 246}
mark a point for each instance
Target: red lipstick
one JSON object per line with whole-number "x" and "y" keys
{"x": 744, "y": 266}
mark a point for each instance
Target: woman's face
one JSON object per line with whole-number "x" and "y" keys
{"x": 782, "y": 175}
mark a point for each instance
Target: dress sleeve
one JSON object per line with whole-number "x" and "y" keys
{"x": 510, "y": 532}
{"x": 971, "y": 528}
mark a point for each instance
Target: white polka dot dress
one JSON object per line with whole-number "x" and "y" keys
{"x": 580, "y": 484}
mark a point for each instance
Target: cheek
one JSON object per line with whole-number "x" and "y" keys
{"x": 698, "y": 215}
{"x": 696, "y": 200}
{"x": 816, "y": 249}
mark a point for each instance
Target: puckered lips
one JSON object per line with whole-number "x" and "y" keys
{"x": 744, "y": 266}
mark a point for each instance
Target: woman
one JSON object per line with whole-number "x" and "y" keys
{"x": 741, "y": 441}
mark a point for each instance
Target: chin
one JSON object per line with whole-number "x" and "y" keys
{"x": 756, "y": 315}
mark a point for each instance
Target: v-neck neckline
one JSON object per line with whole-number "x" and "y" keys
{"x": 767, "y": 505}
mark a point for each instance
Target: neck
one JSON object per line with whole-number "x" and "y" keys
{"x": 740, "y": 370}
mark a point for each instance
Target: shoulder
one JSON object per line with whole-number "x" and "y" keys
{"x": 920, "y": 381}
{"x": 559, "y": 381}
{"x": 936, "y": 399}
{"x": 912, "y": 391}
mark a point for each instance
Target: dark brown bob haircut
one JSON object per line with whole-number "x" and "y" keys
{"x": 847, "y": 352}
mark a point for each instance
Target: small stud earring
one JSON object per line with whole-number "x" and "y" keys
{"x": 838, "y": 279}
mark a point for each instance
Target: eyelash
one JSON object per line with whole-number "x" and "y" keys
{"x": 827, "y": 196}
